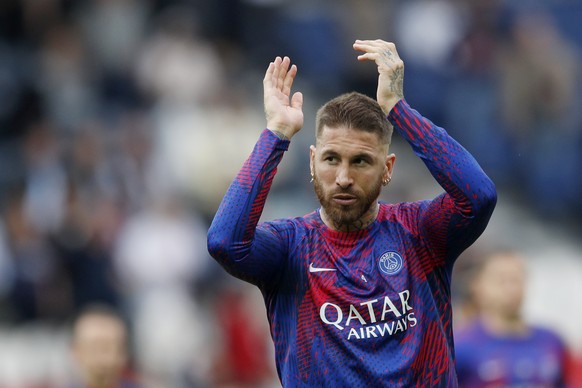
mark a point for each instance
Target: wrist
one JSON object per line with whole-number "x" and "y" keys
{"x": 389, "y": 104}
{"x": 279, "y": 134}
{"x": 285, "y": 130}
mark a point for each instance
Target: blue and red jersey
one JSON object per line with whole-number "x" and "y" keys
{"x": 536, "y": 358}
{"x": 365, "y": 308}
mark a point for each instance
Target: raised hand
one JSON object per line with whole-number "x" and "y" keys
{"x": 283, "y": 112}
{"x": 390, "y": 69}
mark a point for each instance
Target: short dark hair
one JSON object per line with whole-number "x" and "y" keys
{"x": 355, "y": 111}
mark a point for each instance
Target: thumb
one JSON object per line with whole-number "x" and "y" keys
{"x": 297, "y": 100}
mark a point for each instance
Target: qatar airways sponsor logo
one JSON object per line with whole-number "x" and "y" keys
{"x": 385, "y": 318}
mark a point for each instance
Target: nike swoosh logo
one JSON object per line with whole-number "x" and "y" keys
{"x": 316, "y": 269}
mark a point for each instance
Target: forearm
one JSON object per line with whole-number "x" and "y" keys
{"x": 453, "y": 167}
{"x": 232, "y": 231}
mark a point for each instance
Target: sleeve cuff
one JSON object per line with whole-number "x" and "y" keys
{"x": 396, "y": 111}
{"x": 281, "y": 141}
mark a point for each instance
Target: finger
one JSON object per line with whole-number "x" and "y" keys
{"x": 374, "y": 46}
{"x": 384, "y": 57}
{"x": 297, "y": 100}
{"x": 276, "y": 71}
{"x": 375, "y": 43}
{"x": 368, "y": 57}
{"x": 288, "y": 82}
{"x": 366, "y": 47}
{"x": 283, "y": 69}
{"x": 268, "y": 80}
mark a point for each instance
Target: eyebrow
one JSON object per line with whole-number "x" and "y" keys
{"x": 359, "y": 155}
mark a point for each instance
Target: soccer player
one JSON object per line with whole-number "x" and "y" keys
{"x": 357, "y": 292}
{"x": 500, "y": 348}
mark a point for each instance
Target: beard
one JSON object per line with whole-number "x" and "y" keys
{"x": 346, "y": 215}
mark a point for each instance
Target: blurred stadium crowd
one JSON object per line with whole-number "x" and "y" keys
{"x": 123, "y": 121}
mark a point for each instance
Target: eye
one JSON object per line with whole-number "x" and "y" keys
{"x": 360, "y": 161}
{"x": 331, "y": 159}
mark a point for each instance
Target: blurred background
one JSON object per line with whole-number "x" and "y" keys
{"x": 122, "y": 122}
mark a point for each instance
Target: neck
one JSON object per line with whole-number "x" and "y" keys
{"x": 360, "y": 224}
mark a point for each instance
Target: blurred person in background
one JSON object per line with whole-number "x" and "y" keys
{"x": 39, "y": 288}
{"x": 498, "y": 347}
{"x": 357, "y": 292}
{"x": 83, "y": 244}
{"x": 243, "y": 354}
{"x": 471, "y": 106}
{"x": 539, "y": 92}
{"x": 100, "y": 350}
{"x": 159, "y": 256}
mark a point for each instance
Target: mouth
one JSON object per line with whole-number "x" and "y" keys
{"x": 344, "y": 199}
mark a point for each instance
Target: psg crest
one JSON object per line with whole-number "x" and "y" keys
{"x": 390, "y": 263}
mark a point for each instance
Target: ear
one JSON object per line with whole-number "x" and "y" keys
{"x": 390, "y": 160}
{"x": 312, "y": 151}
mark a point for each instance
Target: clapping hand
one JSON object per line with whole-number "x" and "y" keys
{"x": 283, "y": 112}
{"x": 390, "y": 69}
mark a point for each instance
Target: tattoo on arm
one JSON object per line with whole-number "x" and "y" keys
{"x": 388, "y": 54}
{"x": 397, "y": 82}
{"x": 397, "y": 77}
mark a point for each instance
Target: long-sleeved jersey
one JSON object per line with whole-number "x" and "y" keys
{"x": 536, "y": 358}
{"x": 365, "y": 308}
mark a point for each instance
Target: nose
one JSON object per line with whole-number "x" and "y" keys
{"x": 343, "y": 178}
